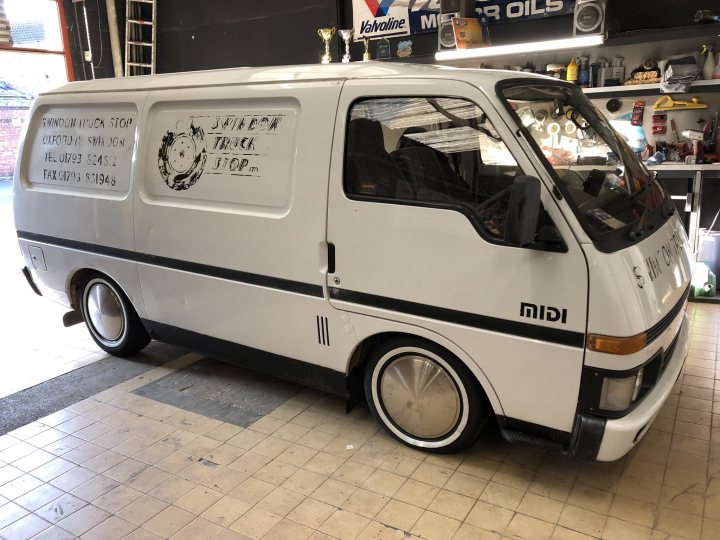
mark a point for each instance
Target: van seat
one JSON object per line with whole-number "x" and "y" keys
{"x": 369, "y": 169}
{"x": 430, "y": 175}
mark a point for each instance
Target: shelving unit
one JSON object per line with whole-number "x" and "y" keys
{"x": 647, "y": 89}
{"x": 635, "y": 37}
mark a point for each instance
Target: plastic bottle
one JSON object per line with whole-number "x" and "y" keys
{"x": 584, "y": 73}
{"x": 709, "y": 66}
{"x": 572, "y": 70}
{"x": 716, "y": 73}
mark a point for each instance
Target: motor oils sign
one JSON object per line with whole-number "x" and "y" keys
{"x": 401, "y": 17}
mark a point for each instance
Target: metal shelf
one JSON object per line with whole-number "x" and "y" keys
{"x": 635, "y": 37}
{"x": 712, "y": 85}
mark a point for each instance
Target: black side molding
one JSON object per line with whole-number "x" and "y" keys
{"x": 282, "y": 284}
{"x": 319, "y": 377}
{"x": 483, "y": 322}
{"x": 520, "y": 431}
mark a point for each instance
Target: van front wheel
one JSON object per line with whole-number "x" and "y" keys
{"x": 110, "y": 317}
{"x": 424, "y": 396}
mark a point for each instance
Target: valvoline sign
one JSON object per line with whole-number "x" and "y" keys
{"x": 375, "y": 18}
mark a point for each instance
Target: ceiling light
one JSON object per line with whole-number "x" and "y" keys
{"x": 538, "y": 46}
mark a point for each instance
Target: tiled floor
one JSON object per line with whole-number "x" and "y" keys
{"x": 119, "y": 465}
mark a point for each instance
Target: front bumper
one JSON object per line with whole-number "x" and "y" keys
{"x": 608, "y": 440}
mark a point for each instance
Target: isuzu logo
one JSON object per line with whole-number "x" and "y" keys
{"x": 544, "y": 313}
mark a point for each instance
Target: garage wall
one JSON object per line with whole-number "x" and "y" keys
{"x": 209, "y": 34}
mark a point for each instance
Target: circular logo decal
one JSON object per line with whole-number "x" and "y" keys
{"x": 182, "y": 156}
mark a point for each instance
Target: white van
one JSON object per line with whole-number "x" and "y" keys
{"x": 451, "y": 245}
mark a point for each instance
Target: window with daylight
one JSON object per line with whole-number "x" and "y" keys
{"x": 33, "y": 60}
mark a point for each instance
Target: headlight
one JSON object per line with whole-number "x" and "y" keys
{"x": 617, "y": 394}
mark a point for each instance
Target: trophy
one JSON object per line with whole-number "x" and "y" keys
{"x": 366, "y": 54}
{"x": 346, "y": 35}
{"x": 383, "y": 49}
{"x": 326, "y": 34}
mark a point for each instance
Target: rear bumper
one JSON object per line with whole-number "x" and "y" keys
{"x": 608, "y": 440}
{"x": 31, "y": 282}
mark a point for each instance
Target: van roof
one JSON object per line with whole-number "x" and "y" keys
{"x": 310, "y": 72}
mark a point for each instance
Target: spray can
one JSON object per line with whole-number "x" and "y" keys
{"x": 583, "y": 73}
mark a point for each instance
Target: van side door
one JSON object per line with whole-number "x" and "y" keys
{"x": 419, "y": 186}
{"x": 230, "y": 217}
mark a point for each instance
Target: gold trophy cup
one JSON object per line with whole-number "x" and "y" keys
{"x": 326, "y": 34}
{"x": 346, "y": 35}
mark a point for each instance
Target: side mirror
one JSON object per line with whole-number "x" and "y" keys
{"x": 523, "y": 211}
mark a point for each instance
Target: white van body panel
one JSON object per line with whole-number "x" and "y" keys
{"x": 62, "y": 189}
{"x": 660, "y": 268}
{"x": 435, "y": 258}
{"x": 231, "y": 221}
{"x": 655, "y": 274}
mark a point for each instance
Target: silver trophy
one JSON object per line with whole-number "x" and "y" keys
{"x": 346, "y": 35}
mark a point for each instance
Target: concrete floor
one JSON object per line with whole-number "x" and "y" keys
{"x": 187, "y": 448}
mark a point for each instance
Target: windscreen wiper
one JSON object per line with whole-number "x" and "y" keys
{"x": 639, "y": 231}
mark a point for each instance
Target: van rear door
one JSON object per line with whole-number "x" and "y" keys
{"x": 419, "y": 183}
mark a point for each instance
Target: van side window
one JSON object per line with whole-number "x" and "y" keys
{"x": 430, "y": 150}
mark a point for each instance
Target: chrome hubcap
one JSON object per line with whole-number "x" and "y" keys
{"x": 420, "y": 396}
{"x": 105, "y": 312}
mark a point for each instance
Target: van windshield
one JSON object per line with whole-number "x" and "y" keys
{"x": 613, "y": 195}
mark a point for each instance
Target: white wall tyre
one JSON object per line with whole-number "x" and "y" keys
{"x": 424, "y": 396}
{"x": 110, "y": 317}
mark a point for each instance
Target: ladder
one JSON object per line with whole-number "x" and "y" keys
{"x": 140, "y": 37}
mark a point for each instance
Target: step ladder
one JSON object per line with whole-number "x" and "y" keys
{"x": 140, "y": 37}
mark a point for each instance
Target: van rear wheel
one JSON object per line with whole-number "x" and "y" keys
{"x": 424, "y": 396}
{"x": 110, "y": 317}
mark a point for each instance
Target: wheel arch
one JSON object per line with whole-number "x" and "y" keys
{"x": 76, "y": 278}
{"x": 365, "y": 346}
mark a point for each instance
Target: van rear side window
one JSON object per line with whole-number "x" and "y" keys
{"x": 430, "y": 151}
{"x": 80, "y": 149}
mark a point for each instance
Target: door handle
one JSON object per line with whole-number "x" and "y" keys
{"x": 331, "y": 258}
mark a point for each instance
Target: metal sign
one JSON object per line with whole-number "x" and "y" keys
{"x": 376, "y": 18}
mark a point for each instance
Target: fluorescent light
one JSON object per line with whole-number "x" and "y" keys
{"x": 538, "y": 46}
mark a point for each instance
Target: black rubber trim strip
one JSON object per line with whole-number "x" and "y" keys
{"x": 587, "y": 437}
{"x": 552, "y": 435}
{"x": 494, "y": 324}
{"x": 298, "y": 287}
{"x": 284, "y": 367}
{"x": 30, "y": 280}
{"x": 657, "y": 329}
